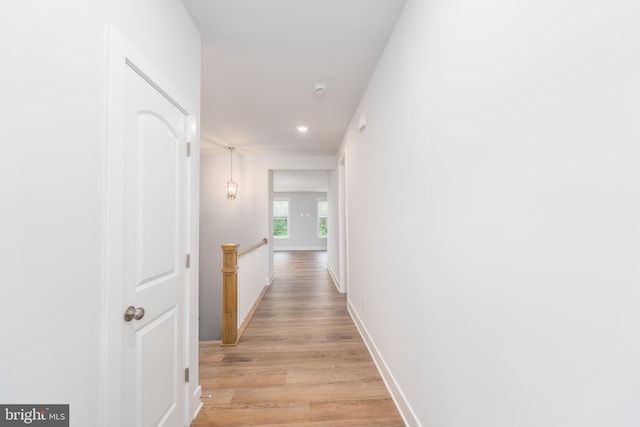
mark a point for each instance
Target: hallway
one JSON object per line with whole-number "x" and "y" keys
{"x": 301, "y": 360}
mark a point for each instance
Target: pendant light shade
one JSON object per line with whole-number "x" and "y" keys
{"x": 232, "y": 190}
{"x": 232, "y": 187}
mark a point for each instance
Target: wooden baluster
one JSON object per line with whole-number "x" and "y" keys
{"x": 229, "y": 294}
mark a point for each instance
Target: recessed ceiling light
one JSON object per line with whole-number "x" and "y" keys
{"x": 302, "y": 129}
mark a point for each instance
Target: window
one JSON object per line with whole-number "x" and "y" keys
{"x": 281, "y": 218}
{"x": 322, "y": 218}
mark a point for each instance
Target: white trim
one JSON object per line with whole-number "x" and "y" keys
{"x": 300, "y": 248}
{"x": 398, "y": 397}
{"x": 343, "y": 240}
{"x": 197, "y": 397}
{"x": 111, "y": 342}
{"x": 336, "y": 282}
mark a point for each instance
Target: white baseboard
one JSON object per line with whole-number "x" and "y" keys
{"x": 196, "y": 402}
{"x": 270, "y": 279}
{"x": 336, "y": 282}
{"x": 403, "y": 406}
{"x": 300, "y": 248}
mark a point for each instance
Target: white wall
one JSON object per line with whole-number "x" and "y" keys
{"x": 226, "y": 221}
{"x": 500, "y": 175}
{"x": 54, "y": 108}
{"x": 244, "y": 220}
{"x": 303, "y": 222}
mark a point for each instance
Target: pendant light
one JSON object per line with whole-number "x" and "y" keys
{"x": 232, "y": 187}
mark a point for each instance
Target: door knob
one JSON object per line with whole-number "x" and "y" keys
{"x": 133, "y": 313}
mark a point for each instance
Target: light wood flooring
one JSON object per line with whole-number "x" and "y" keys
{"x": 300, "y": 361}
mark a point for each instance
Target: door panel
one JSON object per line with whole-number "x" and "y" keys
{"x": 154, "y": 249}
{"x": 157, "y": 198}
{"x": 159, "y": 404}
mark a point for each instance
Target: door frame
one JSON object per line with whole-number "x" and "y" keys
{"x": 123, "y": 54}
{"x": 343, "y": 236}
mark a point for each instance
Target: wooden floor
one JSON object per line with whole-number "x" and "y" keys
{"x": 301, "y": 360}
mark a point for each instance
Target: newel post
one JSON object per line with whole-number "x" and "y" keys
{"x": 229, "y": 294}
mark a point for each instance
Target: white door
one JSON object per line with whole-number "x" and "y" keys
{"x": 154, "y": 253}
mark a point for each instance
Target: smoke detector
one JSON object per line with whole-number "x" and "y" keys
{"x": 320, "y": 88}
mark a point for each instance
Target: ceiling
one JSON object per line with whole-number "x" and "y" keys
{"x": 262, "y": 58}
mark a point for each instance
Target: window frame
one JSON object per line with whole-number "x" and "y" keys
{"x": 319, "y": 217}
{"x": 287, "y": 218}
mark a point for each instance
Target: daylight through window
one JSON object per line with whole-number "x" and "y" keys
{"x": 322, "y": 218}
{"x": 281, "y": 218}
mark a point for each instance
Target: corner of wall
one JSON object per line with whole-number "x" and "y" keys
{"x": 335, "y": 280}
{"x": 403, "y": 406}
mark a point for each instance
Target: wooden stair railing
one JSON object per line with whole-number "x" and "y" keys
{"x": 230, "y": 254}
